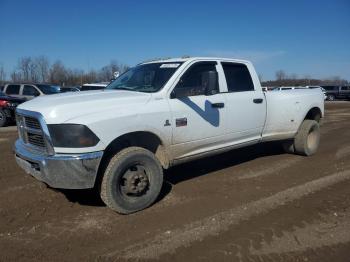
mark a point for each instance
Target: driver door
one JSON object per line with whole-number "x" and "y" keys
{"x": 198, "y": 121}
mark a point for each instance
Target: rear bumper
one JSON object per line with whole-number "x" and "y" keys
{"x": 67, "y": 171}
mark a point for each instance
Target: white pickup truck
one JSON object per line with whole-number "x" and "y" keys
{"x": 154, "y": 116}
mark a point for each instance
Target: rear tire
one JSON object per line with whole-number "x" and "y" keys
{"x": 307, "y": 140}
{"x": 132, "y": 180}
{"x": 3, "y": 118}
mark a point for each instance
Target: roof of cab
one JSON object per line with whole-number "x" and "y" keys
{"x": 185, "y": 59}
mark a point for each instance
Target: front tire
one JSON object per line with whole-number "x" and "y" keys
{"x": 132, "y": 180}
{"x": 3, "y": 118}
{"x": 307, "y": 140}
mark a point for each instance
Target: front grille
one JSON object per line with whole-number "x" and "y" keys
{"x": 36, "y": 140}
{"x": 32, "y": 122}
{"x": 31, "y": 132}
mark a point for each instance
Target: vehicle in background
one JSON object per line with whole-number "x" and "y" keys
{"x": 8, "y": 106}
{"x": 337, "y": 92}
{"x": 281, "y": 88}
{"x": 156, "y": 115}
{"x": 29, "y": 91}
{"x": 70, "y": 89}
{"x": 93, "y": 86}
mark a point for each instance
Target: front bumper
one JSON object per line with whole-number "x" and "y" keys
{"x": 69, "y": 171}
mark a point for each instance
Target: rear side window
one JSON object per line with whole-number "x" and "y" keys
{"x": 30, "y": 91}
{"x": 237, "y": 77}
{"x": 12, "y": 89}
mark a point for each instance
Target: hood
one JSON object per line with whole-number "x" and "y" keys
{"x": 61, "y": 108}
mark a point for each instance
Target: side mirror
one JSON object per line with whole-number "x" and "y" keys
{"x": 210, "y": 82}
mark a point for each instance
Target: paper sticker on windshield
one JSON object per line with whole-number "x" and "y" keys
{"x": 169, "y": 66}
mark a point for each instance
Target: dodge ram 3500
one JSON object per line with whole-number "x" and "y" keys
{"x": 156, "y": 115}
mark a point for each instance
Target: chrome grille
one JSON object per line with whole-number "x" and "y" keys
{"x": 32, "y": 123}
{"x": 30, "y": 131}
{"x": 36, "y": 140}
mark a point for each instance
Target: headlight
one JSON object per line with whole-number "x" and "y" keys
{"x": 72, "y": 136}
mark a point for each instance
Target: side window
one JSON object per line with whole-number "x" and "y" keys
{"x": 237, "y": 77}
{"x": 12, "y": 89}
{"x": 30, "y": 91}
{"x": 192, "y": 82}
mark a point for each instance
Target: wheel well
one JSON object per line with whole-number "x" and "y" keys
{"x": 142, "y": 139}
{"x": 314, "y": 114}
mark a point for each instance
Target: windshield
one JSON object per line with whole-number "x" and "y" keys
{"x": 145, "y": 78}
{"x": 49, "y": 89}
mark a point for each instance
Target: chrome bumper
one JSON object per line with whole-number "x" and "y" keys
{"x": 76, "y": 171}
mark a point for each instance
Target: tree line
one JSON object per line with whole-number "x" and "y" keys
{"x": 40, "y": 70}
{"x": 283, "y": 79}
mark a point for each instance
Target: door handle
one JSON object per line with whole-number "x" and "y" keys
{"x": 218, "y": 105}
{"x": 258, "y": 100}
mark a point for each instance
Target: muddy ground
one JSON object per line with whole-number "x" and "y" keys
{"x": 252, "y": 204}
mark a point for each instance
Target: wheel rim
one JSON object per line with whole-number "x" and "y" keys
{"x": 313, "y": 138}
{"x": 134, "y": 184}
{"x": 331, "y": 98}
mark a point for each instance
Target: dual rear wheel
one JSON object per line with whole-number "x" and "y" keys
{"x": 307, "y": 140}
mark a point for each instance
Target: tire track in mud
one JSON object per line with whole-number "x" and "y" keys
{"x": 167, "y": 242}
{"x": 342, "y": 152}
{"x": 277, "y": 167}
{"x": 316, "y": 235}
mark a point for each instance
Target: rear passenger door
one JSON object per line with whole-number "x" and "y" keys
{"x": 246, "y": 107}
{"x": 13, "y": 90}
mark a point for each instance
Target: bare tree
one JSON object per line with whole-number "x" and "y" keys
{"x": 43, "y": 66}
{"x": 16, "y": 76}
{"x": 280, "y": 75}
{"x": 33, "y": 70}
{"x": 24, "y": 66}
{"x": 58, "y": 73}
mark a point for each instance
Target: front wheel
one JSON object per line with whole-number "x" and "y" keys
{"x": 132, "y": 180}
{"x": 3, "y": 118}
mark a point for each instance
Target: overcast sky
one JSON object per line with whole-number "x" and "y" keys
{"x": 301, "y": 37}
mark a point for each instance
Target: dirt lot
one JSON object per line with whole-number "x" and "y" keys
{"x": 253, "y": 204}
